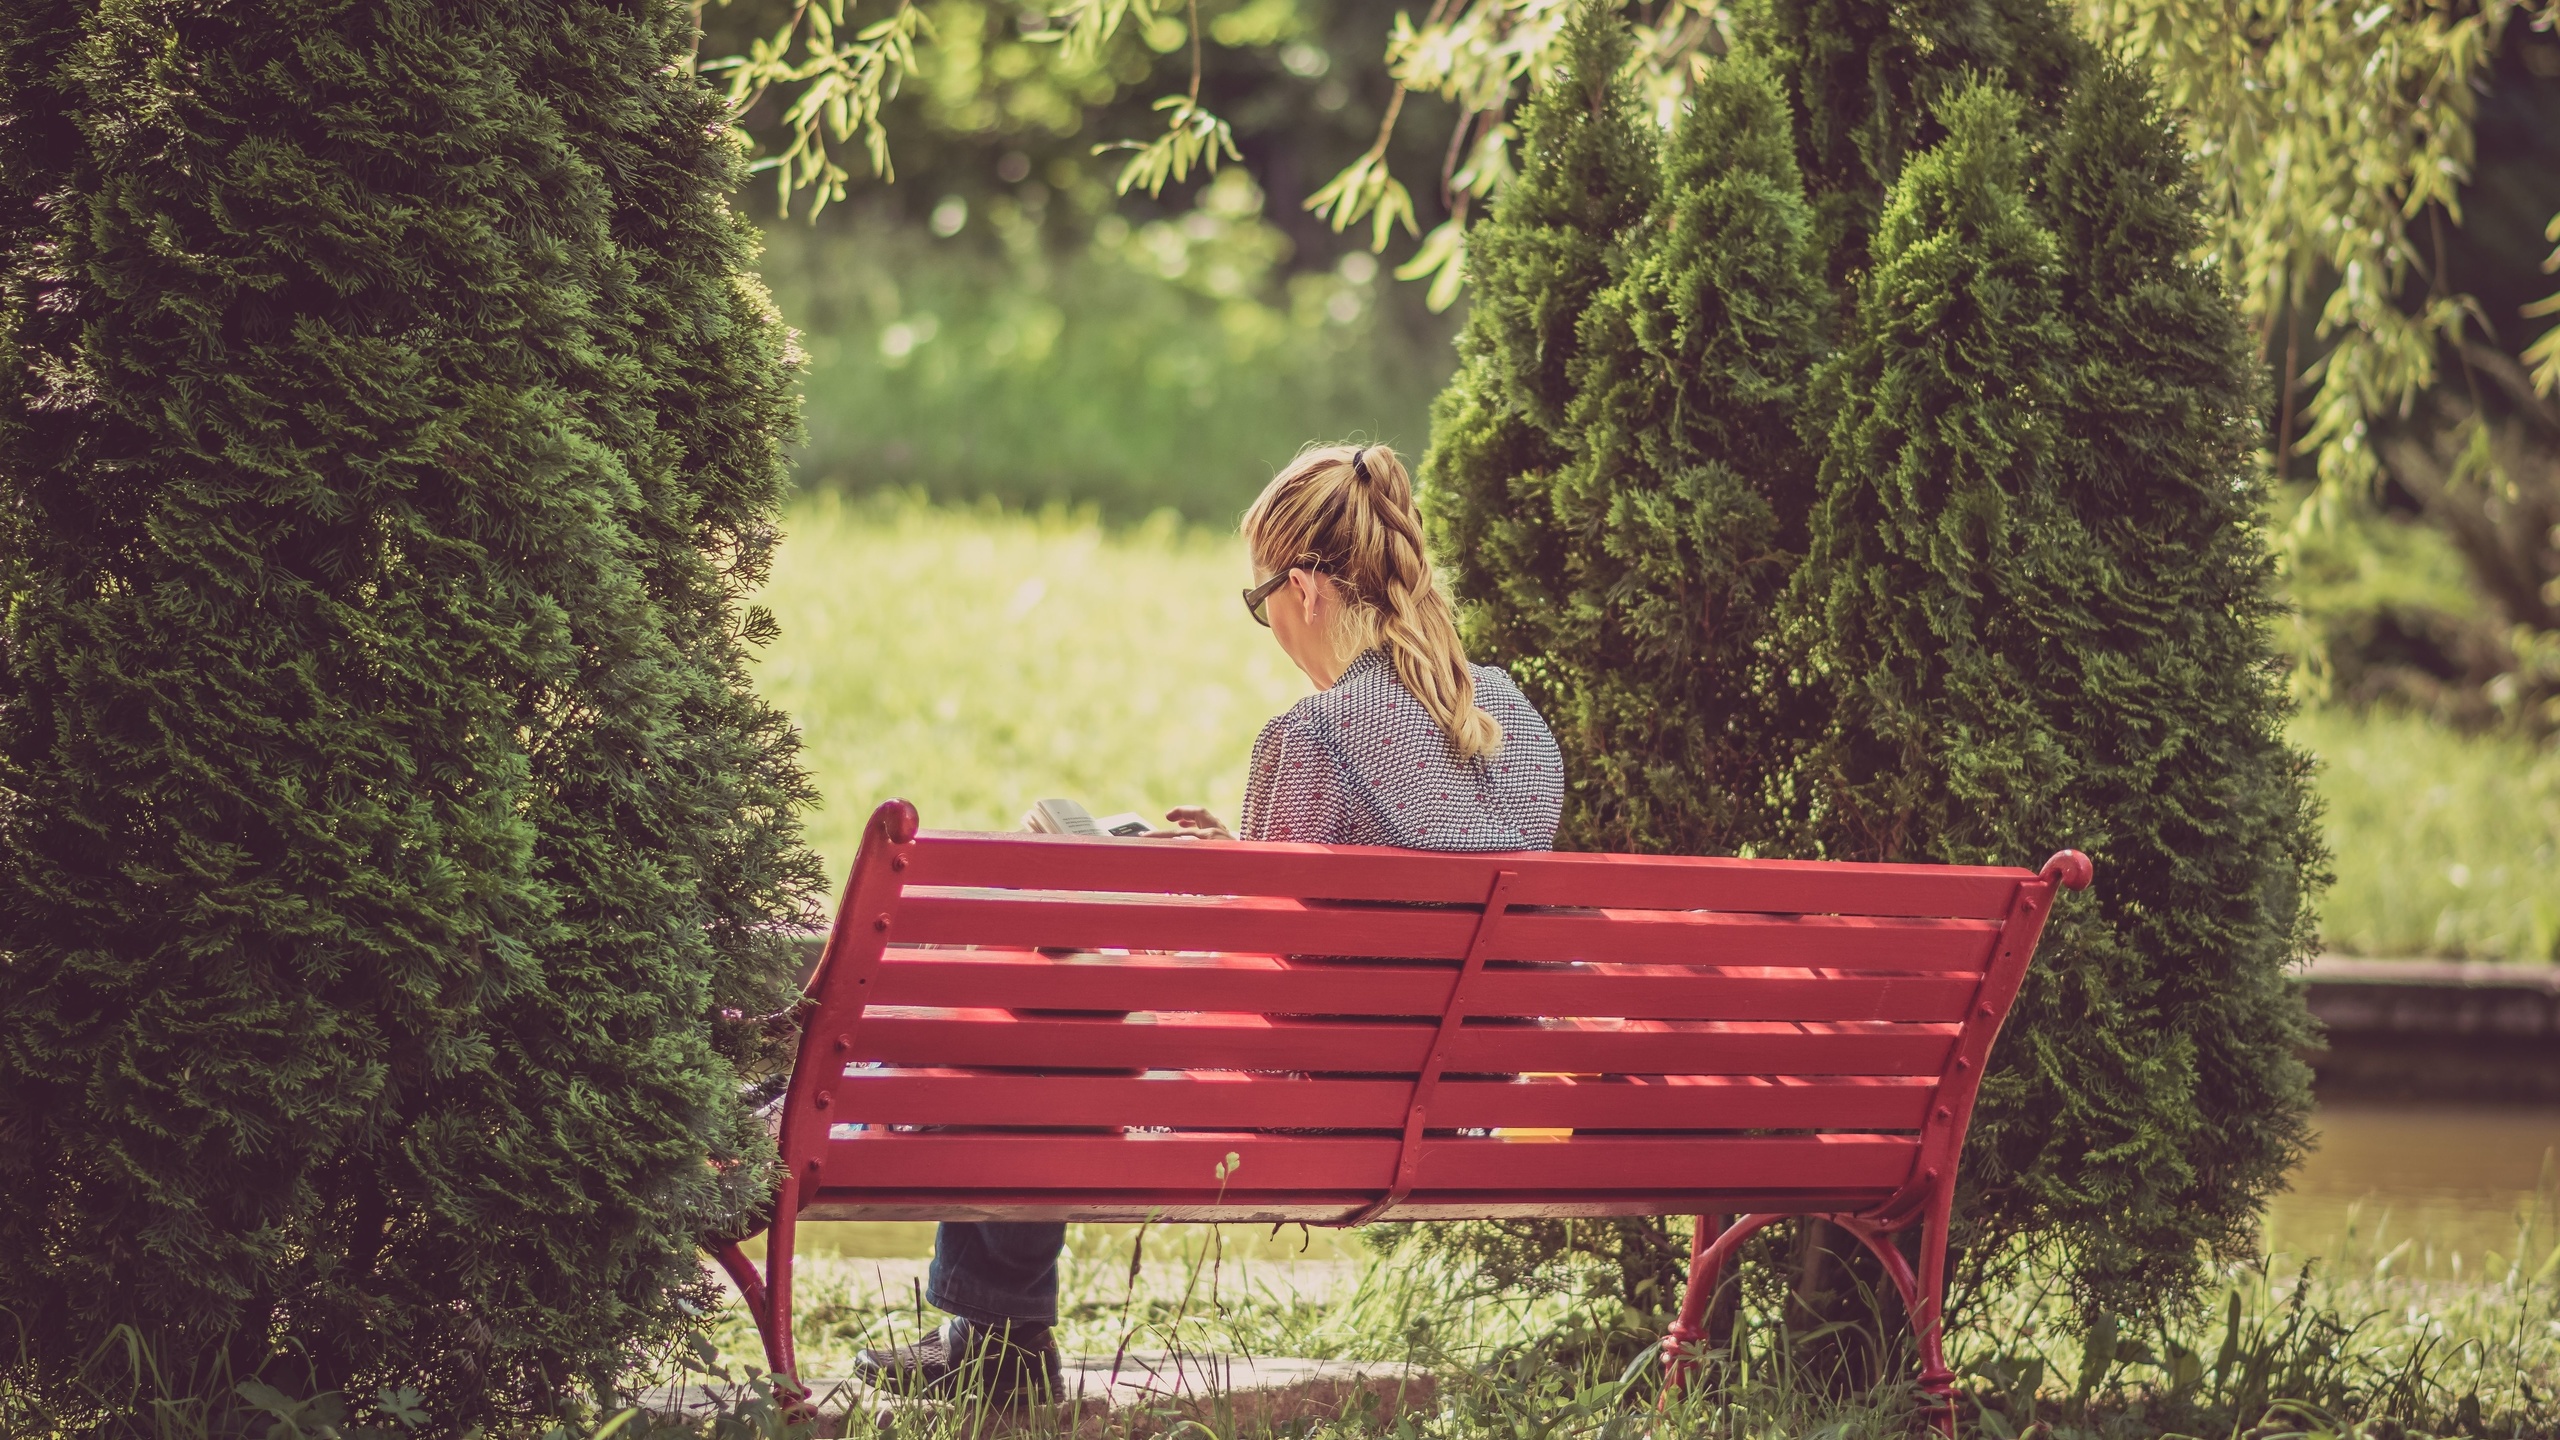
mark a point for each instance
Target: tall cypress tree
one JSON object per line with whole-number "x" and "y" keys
{"x": 1939, "y": 546}
{"x": 1504, "y": 428}
{"x": 1682, "y": 511}
{"x": 710, "y": 370}
{"x": 1617, "y": 474}
{"x": 1939, "y": 541}
{"x": 2043, "y": 601}
{"x": 2198, "y": 812}
{"x": 384, "y": 820}
{"x": 2033, "y": 599}
{"x": 1506, "y": 487}
{"x": 1621, "y": 489}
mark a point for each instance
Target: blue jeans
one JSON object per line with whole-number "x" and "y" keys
{"x": 988, "y": 1272}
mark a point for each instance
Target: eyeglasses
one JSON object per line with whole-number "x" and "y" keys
{"x": 1257, "y": 601}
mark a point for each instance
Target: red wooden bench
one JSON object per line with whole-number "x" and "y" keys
{"x": 1661, "y": 1009}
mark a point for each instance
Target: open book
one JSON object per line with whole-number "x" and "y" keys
{"x": 1066, "y": 817}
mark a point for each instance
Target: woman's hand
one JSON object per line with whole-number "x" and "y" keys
{"x": 1192, "y": 822}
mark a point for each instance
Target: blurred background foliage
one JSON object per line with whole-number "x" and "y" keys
{"x": 2407, "y": 334}
{"x": 1170, "y": 362}
{"x": 1000, "y": 321}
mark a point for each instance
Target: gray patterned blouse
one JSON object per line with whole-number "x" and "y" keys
{"x": 1363, "y": 763}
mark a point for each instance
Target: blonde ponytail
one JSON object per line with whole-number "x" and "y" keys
{"x": 1347, "y": 512}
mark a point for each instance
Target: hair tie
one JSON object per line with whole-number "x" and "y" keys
{"x": 1360, "y": 469}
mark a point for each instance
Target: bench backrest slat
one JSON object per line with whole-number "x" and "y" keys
{"x": 1248, "y": 1043}
{"x": 1051, "y": 919}
{"x": 1227, "y": 1100}
{"x": 1038, "y": 862}
{"x": 1276, "y": 984}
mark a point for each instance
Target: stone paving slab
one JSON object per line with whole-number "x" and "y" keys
{"x": 1142, "y": 1394}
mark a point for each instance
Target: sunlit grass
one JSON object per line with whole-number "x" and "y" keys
{"x": 2363, "y": 1331}
{"x": 2354, "y": 1346}
{"x": 974, "y": 661}
{"x": 2445, "y": 844}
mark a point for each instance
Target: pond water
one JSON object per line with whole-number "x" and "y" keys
{"x": 2453, "y": 1180}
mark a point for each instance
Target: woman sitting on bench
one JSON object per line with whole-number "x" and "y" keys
{"x": 1404, "y": 744}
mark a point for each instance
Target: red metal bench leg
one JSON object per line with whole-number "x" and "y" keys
{"x": 1707, "y": 1260}
{"x": 742, "y": 1273}
{"x": 1929, "y": 1316}
{"x": 777, "y": 1281}
{"x": 1691, "y": 1326}
{"x": 768, "y": 1296}
{"x": 1923, "y": 1295}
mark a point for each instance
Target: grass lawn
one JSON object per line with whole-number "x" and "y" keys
{"x": 975, "y": 660}
{"x": 2445, "y": 844}
{"x": 2363, "y": 1342}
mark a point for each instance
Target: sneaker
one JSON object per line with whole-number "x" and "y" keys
{"x": 1010, "y": 1364}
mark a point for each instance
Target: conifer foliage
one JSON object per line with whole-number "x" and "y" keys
{"x": 1587, "y": 177}
{"x": 1685, "y": 502}
{"x": 386, "y": 825}
{"x": 1942, "y": 549}
{"x": 1620, "y": 480}
{"x": 1905, "y": 507}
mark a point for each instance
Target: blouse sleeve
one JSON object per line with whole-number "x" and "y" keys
{"x": 1297, "y": 789}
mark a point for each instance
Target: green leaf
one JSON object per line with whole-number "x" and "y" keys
{"x": 1443, "y": 257}
{"x": 403, "y": 1405}
{"x": 1366, "y": 189}
{"x": 1193, "y": 138}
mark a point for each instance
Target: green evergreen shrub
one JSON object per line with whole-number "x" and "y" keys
{"x": 1617, "y": 467}
{"x": 385, "y": 822}
{"x": 1941, "y": 551}
{"x": 1682, "y": 512}
{"x": 1497, "y": 486}
{"x": 2046, "y": 603}
{"x": 2028, "y": 607}
{"x": 1871, "y": 81}
{"x": 713, "y": 370}
{"x": 1501, "y": 431}
{"x": 2198, "y": 811}
{"x": 1623, "y": 490}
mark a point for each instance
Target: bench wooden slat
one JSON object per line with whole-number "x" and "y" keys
{"x": 901, "y": 1036}
{"x": 1225, "y": 1099}
{"x": 1184, "y": 1042}
{"x": 1585, "y": 1163}
{"x": 1828, "y": 942}
{"x": 1269, "y": 924}
{"x": 946, "y": 857}
{"x": 1275, "y": 1166}
{"x": 1027, "y": 980}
